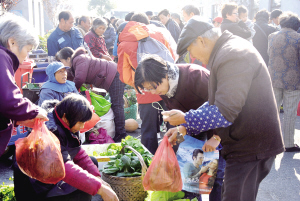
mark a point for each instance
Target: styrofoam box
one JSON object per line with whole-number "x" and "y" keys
{"x": 99, "y": 148}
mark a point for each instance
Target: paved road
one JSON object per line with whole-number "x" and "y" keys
{"x": 282, "y": 184}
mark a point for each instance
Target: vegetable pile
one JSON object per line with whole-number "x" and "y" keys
{"x": 7, "y": 192}
{"x": 127, "y": 165}
{"x": 166, "y": 196}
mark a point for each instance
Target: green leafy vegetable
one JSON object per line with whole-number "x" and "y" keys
{"x": 7, "y": 192}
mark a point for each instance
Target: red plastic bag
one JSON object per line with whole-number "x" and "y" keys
{"x": 39, "y": 156}
{"x": 91, "y": 123}
{"x": 164, "y": 172}
{"x": 101, "y": 137}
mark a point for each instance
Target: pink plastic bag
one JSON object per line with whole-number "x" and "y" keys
{"x": 164, "y": 172}
{"x": 100, "y": 138}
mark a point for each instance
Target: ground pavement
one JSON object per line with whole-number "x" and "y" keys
{"x": 282, "y": 184}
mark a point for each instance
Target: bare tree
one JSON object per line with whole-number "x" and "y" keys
{"x": 54, "y": 7}
{"x": 6, "y": 5}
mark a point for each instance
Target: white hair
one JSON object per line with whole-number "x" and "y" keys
{"x": 16, "y": 27}
{"x": 212, "y": 34}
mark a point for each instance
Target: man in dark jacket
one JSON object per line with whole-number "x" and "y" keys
{"x": 231, "y": 21}
{"x": 170, "y": 24}
{"x": 263, "y": 30}
{"x": 241, "y": 107}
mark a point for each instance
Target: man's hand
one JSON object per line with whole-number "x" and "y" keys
{"x": 172, "y": 134}
{"x": 211, "y": 144}
{"x": 174, "y": 117}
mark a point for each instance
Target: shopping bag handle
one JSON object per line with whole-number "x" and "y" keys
{"x": 88, "y": 97}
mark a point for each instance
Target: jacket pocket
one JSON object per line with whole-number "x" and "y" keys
{"x": 99, "y": 80}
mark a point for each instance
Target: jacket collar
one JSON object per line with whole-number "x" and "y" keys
{"x": 60, "y": 32}
{"x": 223, "y": 38}
{"x": 13, "y": 57}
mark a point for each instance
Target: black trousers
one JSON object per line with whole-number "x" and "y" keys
{"x": 242, "y": 179}
{"x": 151, "y": 119}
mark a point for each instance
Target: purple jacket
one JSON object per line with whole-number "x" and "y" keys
{"x": 13, "y": 107}
{"x": 91, "y": 70}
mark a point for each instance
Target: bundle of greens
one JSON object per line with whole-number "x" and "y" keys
{"x": 166, "y": 196}
{"x": 7, "y": 192}
{"x": 128, "y": 164}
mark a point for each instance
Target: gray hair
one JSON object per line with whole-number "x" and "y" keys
{"x": 16, "y": 27}
{"x": 212, "y": 34}
{"x": 99, "y": 22}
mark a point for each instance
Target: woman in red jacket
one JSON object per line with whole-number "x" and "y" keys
{"x": 207, "y": 179}
{"x": 102, "y": 74}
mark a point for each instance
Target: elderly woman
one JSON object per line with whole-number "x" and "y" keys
{"x": 100, "y": 73}
{"x": 16, "y": 40}
{"x": 95, "y": 39}
{"x": 284, "y": 68}
{"x": 57, "y": 86}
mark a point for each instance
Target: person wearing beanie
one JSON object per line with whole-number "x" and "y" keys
{"x": 241, "y": 107}
{"x": 217, "y": 21}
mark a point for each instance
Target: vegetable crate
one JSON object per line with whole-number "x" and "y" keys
{"x": 128, "y": 188}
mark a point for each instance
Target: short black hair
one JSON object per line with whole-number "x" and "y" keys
{"x": 275, "y": 13}
{"x": 140, "y": 17}
{"x": 228, "y": 8}
{"x": 76, "y": 108}
{"x": 83, "y": 18}
{"x": 262, "y": 15}
{"x": 176, "y": 15}
{"x": 149, "y": 13}
{"x": 196, "y": 152}
{"x": 164, "y": 12}
{"x": 188, "y": 9}
{"x": 242, "y": 9}
{"x": 111, "y": 18}
{"x": 64, "y": 15}
{"x": 289, "y": 20}
{"x": 128, "y": 16}
{"x": 64, "y": 53}
{"x": 150, "y": 71}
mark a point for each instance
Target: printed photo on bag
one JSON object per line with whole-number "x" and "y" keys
{"x": 198, "y": 169}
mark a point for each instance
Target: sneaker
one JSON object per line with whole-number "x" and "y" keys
{"x": 296, "y": 148}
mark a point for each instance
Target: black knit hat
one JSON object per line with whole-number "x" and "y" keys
{"x": 195, "y": 27}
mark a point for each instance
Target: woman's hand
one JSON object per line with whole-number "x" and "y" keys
{"x": 211, "y": 144}
{"x": 174, "y": 117}
{"x": 106, "y": 58}
{"x": 42, "y": 115}
{"x": 172, "y": 134}
{"x": 30, "y": 123}
{"x": 107, "y": 193}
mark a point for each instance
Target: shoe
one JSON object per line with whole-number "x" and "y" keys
{"x": 296, "y": 148}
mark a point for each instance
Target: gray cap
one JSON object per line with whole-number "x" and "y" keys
{"x": 195, "y": 27}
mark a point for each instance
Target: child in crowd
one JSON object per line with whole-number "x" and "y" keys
{"x": 243, "y": 15}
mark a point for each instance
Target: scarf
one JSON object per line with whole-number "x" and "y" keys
{"x": 173, "y": 77}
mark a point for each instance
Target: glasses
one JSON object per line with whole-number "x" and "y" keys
{"x": 148, "y": 90}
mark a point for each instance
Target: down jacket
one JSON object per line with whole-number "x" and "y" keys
{"x": 91, "y": 70}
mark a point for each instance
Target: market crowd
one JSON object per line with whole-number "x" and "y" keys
{"x": 222, "y": 81}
